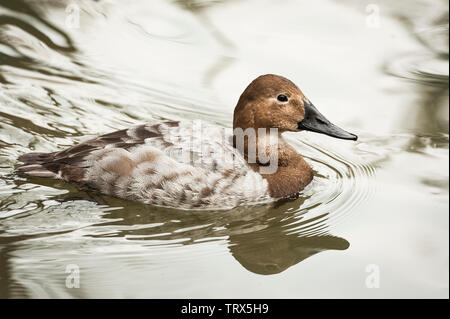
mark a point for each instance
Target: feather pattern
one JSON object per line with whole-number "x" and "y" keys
{"x": 184, "y": 165}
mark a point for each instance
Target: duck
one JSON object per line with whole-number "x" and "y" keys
{"x": 197, "y": 165}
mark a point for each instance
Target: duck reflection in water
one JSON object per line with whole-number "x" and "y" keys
{"x": 280, "y": 240}
{"x": 264, "y": 239}
{"x": 273, "y": 250}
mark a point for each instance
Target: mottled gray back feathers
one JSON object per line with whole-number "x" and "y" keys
{"x": 168, "y": 164}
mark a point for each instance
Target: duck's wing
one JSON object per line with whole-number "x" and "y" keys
{"x": 70, "y": 164}
{"x": 191, "y": 143}
{"x": 200, "y": 145}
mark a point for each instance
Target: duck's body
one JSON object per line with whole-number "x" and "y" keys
{"x": 165, "y": 164}
{"x": 189, "y": 165}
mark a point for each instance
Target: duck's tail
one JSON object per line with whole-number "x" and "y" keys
{"x": 37, "y": 164}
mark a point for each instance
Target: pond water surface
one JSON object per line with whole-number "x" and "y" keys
{"x": 374, "y": 223}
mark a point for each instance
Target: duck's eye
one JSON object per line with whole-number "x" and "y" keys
{"x": 282, "y": 98}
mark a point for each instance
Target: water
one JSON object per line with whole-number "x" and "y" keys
{"x": 377, "y": 207}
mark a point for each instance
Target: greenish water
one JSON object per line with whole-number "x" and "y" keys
{"x": 373, "y": 224}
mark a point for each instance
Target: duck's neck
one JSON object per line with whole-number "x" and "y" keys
{"x": 259, "y": 146}
{"x": 269, "y": 154}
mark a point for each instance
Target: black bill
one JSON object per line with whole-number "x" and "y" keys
{"x": 316, "y": 122}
